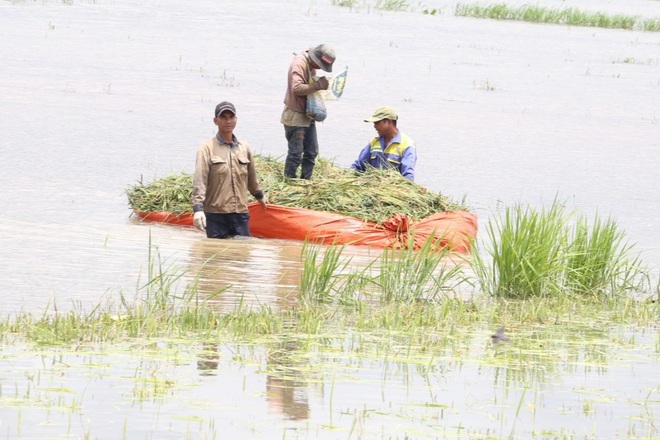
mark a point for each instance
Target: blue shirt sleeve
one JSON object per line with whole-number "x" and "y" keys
{"x": 363, "y": 157}
{"x": 408, "y": 162}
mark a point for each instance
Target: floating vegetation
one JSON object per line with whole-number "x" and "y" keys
{"x": 333, "y": 189}
{"x": 403, "y": 351}
{"x": 567, "y": 16}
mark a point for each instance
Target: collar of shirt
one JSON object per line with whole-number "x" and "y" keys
{"x": 396, "y": 138}
{"x": 233, "y": 143}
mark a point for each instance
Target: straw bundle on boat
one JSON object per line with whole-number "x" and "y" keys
{"x": 374, "y": 195}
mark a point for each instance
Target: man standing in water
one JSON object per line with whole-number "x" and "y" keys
{"x": 299, "y": 129}
{"x": 224, "y": 174}
{"x": 390, "y": 149}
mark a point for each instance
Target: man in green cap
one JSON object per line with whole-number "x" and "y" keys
{"x": 390, "y": 149}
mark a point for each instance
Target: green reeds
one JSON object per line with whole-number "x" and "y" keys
{"x": 536, "y": 253}
{"x": 526, "y": 252}
{"x": 345, "y": 3}
{"x": 598, "y": 259}
{"x": 567, "y": 16}
{"x": 319, "y": 278}
{"x": 425, "y": 274}
{"x": 416, "y": 275}
{"x": 392, "y": 5}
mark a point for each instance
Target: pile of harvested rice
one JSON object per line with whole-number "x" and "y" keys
{"x": 374, "y": 195}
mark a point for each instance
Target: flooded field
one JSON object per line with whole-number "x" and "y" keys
{"x": 96, "y": 95}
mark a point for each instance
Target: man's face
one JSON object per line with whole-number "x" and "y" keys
{"x": 382, "y": 126}
{"x": 226, "y": 122}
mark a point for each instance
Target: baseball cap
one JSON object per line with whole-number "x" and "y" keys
{"x": 323, "y": 56}
{"x": 224, "y": 105}
{"x": 381, "y": 113}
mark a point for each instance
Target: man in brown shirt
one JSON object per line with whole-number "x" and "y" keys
{"x": 299, "y": 129}
{"x": 224, "y": 174}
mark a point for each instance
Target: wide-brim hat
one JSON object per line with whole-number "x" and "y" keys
{"x": 323, "y": 56}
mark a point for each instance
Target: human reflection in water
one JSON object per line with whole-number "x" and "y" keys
{"x": 209, "y": 359}
{"x": 243, "y": 271}
{"x": 286, "y": 387}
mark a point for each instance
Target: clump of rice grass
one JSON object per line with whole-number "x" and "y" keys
{"x": 567, "y": 16}
{"x": 526, "y": 252}
{"x": 651, "y": 25}
{"x": 417, "y": 275}
{"x": 319, "y": 278}
{"x": 536, "y": 253}
{"x": 333, "y": 189}
{"x": 408, "y": 294}
{"x": 346, "y": 3}
{"x": 598, "y": 260}
{"x": 401, "y": 275}
{"x": 392, "y": 5}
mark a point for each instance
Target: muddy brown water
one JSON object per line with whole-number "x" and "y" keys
{"x": 96, "y": 95}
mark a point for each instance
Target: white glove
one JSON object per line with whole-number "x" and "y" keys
{"x": 199, "y": 220}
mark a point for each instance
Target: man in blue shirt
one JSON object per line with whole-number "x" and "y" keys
{"x": 390, "y": 149}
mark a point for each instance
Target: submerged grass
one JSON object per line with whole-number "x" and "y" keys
{"x": 392, "y": 5}
{"x": 406, "y": 303}
{"x": 536, "y": 253}
{"x": 598, "y": 260}
{"x": 540, "y": 266}
{"x": 525, "y": 253}
{"x": 421, "y": 275}
{"x": 567, "y": 16}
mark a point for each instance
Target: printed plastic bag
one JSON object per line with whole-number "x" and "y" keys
{"x": 336, "y": 87}
{"x": 316, "y": 107}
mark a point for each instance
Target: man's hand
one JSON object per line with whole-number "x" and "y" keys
{"x": 262, "y": 202}
{"x": 199, "y": 220}
{"x": 322, "y": 83}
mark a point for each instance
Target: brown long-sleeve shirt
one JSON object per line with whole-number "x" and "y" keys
{"x": 224, "y": 174}
{"x": 298, "y": 87}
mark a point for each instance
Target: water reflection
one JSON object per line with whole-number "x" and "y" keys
{"x": 209, "y": 359}
{"x": 245, "y": 271}
{"x": 257, "y": 272}
{"x": 286, "y": 387}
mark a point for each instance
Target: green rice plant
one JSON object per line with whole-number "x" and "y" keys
{"x": 319, "y": 278}
{"x": 415, "y": 275}
{"x": 651, "y": 25}
{"x": 599, "y": 261}
{"x": 567, "y": 16}
{"x": 527, "y": 252}
{"x": 345, "y": 3}
{"x": 353, "y": 289}
{"x": 392, "y": 5}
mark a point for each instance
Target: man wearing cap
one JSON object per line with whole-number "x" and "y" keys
{"x": 299, "y": 129}
{"x": 390, "y": 149}
{"x": 224, "y": 174}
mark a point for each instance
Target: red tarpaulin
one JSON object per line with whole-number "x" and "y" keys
{"x": 454, "y": 230}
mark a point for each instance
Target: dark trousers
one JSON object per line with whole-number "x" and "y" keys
{"x": 303, "y": 149}
{"x": 227, "y": 225}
